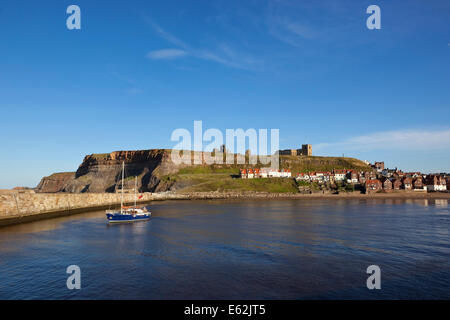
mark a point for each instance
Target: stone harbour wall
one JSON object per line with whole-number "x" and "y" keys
{"x": 18, "y": 207}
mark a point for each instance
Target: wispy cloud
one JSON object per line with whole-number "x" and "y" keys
{"x": 301, "y": 30}
{"x": 285, "y": 24}
{"x": 334, "y": 21}
{"x": 166, "y": 54}
{"x": 134, "y": 88}
{"x": 292, "y": 33}
{"x": 222, "y": 54}
{"x": 166, "y": 35}
{"x": 404, "y": 140}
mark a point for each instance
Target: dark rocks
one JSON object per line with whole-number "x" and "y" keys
{"x": 103, "y": 173}
{"x": 55, "y": 182}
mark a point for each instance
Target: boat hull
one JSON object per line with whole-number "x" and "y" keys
{"x": 119, "y": 217}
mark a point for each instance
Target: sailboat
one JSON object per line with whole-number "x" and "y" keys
{"x": 128, "y": 214}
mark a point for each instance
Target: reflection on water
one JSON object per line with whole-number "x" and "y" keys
{"x": 441, "y": 202}
{"x": 274, "y": 249}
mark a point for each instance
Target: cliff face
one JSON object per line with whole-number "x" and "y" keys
{"x": 55, "y": 182}
{"x": 156, "y": 172}
{"x": 103, "y": 172}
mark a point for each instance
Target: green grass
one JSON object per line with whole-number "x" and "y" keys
{"x": 209, "y": 170}
{"x": 304, "y": 183}
{"x": 222, "y": 178}
{"x": 260, "y": 185}
{"x": 315, "y": 163}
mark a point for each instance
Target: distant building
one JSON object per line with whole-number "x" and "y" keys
{"x": 407, "y": 184}
{"x": 306, "y": 150}
{"x": 285, "y": 173}
{"x": 352, "y": 177}
{"x": 339, "y": 175}
{"x": 288, "y": 152}
{"x": 387, "y": 185}
{"x": 303, "y": 177}
{"x": 379, "y": 166}
{"x": 273, "y": 173}
{"x": 264, "y": 173}
{"x": 418, "y": 183}
{"x": 313, "y": 176}
{"x": 373, "y": 185}
{"x": 396, "y": 184}
{"x": 436, "y": 183}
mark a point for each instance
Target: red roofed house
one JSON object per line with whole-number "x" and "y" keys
{"x": 387, "y": 185}
{"x": 397, "y": 184}
{"x": 339, "y": 175}
{"x": 264, "y": 172}
{"x": 407, "y": 184}
{"x": 373, "y": 185}
{"x": 352, "y": 177}
{"x": 418, "y": 183}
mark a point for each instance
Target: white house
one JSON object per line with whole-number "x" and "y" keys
{"x": 273, "y": 173}
{"x": 339, "y": 175}
{"x": 264, "y": 173}
{"x": 436, "y": 183}
{"x": 285, "y": 173}
{"x": 303, "y": 177}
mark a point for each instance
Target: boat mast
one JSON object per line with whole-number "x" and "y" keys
{"x": 135, "y": 186}
{"x": 121, "y": 199}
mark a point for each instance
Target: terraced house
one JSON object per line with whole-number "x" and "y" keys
{"x": 436, "y": 183}
{"x": 407, "y": 183}
{"x": 373, "y": 185}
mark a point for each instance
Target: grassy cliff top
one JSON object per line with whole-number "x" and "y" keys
{"x": 205, "y": 178}
{"x": 317, "y": 163}
{"x": 296, "y": 164}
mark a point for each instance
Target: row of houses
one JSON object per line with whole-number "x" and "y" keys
{"x": 348, "y": 176}
{"x": 429, "y": 183}
{"x": 370, "y": 180}
{"x": 265, "y": 173}
{"x": 395, "y": 173}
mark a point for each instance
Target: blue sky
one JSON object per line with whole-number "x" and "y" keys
{"x": 137, "y": 70}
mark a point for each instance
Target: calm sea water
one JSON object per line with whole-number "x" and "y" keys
{"x": 274, "y": 249}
